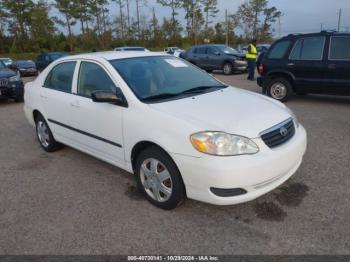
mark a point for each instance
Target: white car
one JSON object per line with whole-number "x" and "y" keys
{"x": 181, "y": 131}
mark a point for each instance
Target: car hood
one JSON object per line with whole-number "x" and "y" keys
{"x": 7, "y": 73}
{"x": 231, "y": 110}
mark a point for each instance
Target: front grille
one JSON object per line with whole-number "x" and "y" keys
{"x": 3, "y": 82}
{"x": 279, "y": 134}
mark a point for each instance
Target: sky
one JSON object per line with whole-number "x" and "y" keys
{"x": 299, "y": 16}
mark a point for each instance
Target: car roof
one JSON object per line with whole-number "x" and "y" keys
{"x": 322, "y": 33}
{"x": 112, "y": 55}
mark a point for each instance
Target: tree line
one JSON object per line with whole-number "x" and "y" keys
{"x": 47, "y": 25}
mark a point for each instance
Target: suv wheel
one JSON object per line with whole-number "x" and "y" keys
{"x": 279, "y": 89}
{"x": 159, "y": 179}
{"x": 45, "y": 137}
{"x": 227, "y": 68}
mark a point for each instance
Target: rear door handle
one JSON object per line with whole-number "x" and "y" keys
{"x": 75, "y": 104}
{"x": 290, "y": 64}
{"x": 43, "y": 96}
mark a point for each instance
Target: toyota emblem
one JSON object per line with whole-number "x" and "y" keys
{"x": 283, "y": 131}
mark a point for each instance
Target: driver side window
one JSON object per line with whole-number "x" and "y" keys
{"x": 93, "y": 78}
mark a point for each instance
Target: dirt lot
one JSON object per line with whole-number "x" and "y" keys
{"x": 70, "y": 203}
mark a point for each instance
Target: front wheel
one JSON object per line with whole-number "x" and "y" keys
{"x": 159, "y": 179}
{"x": 228, "y": 69}
{"x": 279, "y": 89}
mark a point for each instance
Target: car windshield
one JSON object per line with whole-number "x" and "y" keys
{"x": 228, "y": 50}
{"x": 163, "y": 77}
{"x": 25, "y": 63}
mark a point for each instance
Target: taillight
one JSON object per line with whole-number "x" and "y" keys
{"x": 261, "y": 69}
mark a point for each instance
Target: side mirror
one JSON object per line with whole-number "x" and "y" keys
{"x": 107, "y": 97}
{"x": 217, "y": 53}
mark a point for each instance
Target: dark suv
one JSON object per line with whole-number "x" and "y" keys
{"x": 43, "y": 60}
{"x": 216, "y": 57}
{"x": 307, "y": 63}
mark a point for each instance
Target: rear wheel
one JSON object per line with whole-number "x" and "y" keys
{"x": 227, "y": 69}
{"x": 159, "y": 179}
{"x": 279, "y": 89}
{"x": 44, "y": 135}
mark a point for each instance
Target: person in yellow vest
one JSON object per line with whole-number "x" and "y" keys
{"x": 251, "y": 56}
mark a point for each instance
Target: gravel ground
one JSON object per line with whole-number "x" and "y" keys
{"x": 70, "y": 203}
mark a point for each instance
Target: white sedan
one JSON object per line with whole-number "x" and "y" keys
{"x": 179, "y": 130}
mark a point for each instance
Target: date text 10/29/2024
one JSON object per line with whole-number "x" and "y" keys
{"x": 173, "y": 258}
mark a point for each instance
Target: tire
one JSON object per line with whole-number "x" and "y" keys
{"x": 19, "y": 99}
{"x": 227, "y": 68}
{"x": 159, "y": 179}
{"x": 279, "y": 89}
{"x": 44, "y": 135}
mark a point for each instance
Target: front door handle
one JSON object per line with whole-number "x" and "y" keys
{"x": 332, "y": 66}
{"x": 43, "y": 96}
{"x": 290, "y": 64}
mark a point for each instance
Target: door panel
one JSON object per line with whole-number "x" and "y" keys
{"x": 57, "y": 99}
{"x": 307, "y": 64}
{"x": 98, "y": 126}
{"x": 214, "y": 58}
{"x": 337, "y": 76}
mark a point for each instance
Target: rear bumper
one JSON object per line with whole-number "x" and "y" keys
{"x": 12, "y": 90}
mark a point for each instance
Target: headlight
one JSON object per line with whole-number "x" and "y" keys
{"x": 223, "y": 144}
{"x": 15, "y": 78}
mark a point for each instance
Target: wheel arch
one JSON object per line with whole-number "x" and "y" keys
{"x": 36, "y": 113}
{"x": 141, "y": 146}
{"x": 281, "y": 74}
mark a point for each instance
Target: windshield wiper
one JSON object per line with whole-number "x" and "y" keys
{"x": 160, "y": 96}
{"x": 201, "y": 89}
{"x": 195, "y": 90}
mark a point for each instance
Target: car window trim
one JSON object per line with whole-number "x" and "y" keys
{"x": 107, "y": 72}
{"x": 330, "y": 45}
{"x": 50, "y": 74}
{"x": 302, "y": 47}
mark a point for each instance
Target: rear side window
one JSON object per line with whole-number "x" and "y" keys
{"x": 310, "y": 48}
{"x": 92, "y": 78}
{"x": 279, "y": 50}
{"x": 61, "y": 76}
{"x": 340, "y": 48}
{"x": 200, "y": 50}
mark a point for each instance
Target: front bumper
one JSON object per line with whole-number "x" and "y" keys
{"x": 28, "y": 73}
{"x": 257, "y": 174}
{"x": 12, "y": 90}
{"x": 240, "y": 65}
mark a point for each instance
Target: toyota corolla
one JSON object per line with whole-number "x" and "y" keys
{"x": 179, "y": 130}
